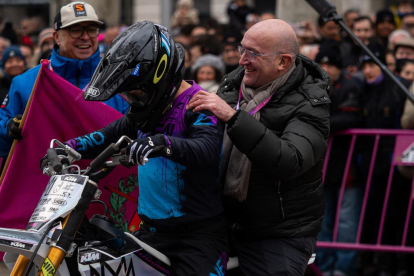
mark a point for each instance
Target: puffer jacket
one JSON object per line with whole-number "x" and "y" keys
{"x": 286, "y": 147}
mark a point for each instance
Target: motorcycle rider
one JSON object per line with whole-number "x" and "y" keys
{"x": 179, "y": 202}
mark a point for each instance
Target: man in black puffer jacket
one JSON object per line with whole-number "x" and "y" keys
{"x": 276, "y": 110}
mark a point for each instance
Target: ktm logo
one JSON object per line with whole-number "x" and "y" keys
{"x": 89, "y": 257}
{"x": 70, "y": 178}
{"x": 17, "y": 244}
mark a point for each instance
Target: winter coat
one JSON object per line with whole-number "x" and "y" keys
{"x": 407, "y": 119}
{"x": 383, "y": 105}
{"x": 346, "y": 112}
{"x": 5, "y": 82}
{"x": 286, "y": 147}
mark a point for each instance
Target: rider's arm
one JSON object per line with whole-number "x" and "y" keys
{"x": 202, "y": 145}
{"x": 92, "y": 144}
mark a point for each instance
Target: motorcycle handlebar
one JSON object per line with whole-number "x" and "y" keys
{"x": 54, "y": 160}
{"x": 99, "y": 161}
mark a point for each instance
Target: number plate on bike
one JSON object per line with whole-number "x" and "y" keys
{"x": 61, "y": 195}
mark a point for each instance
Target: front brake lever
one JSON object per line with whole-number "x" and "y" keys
{"x": 119, "y": 158}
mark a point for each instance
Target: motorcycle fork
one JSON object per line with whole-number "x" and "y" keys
{"x": 20, "y": 266}
{"x": 57, "y": 252}
{"x": 22, "y": 261}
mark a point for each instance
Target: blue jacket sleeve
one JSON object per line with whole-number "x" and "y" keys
{"x": 203, "y": 143}
{"x": 92, "y": 144}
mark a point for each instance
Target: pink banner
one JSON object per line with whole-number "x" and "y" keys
{"x": 58, "y": 111}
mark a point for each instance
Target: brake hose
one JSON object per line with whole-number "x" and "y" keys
{"x": 30, "y": 265}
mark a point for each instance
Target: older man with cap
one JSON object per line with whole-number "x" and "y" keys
{"x": 75, "y": 57}
{"x": 276, "y": 110}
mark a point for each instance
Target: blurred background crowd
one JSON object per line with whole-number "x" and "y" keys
{"x": 362, "y": 96}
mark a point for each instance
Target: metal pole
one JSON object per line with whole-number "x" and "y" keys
{"x": 328, "y": 12}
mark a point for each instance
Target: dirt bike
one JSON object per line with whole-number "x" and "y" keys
{"x": 59, "y": 239}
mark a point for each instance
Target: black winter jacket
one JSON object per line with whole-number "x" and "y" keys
{"x": 346, "y": 112}
{"x": 383, "y": 105}
{"x": 286, "y": 148}
{"x": 5, "y": 82}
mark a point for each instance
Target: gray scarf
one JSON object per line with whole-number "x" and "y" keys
{"x": 236, "y": 167}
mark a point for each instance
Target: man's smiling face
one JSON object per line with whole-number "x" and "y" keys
{"x": 262, "y": 69}
{"x": 76, "y": 48}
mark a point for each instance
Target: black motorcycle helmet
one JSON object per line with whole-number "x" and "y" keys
{"x": 146, "y": 67}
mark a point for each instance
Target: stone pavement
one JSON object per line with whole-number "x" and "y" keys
{"x": 3, "y": 270}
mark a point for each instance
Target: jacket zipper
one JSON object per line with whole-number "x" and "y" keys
{"x": 77, "y": 76}
{"x": 281, "y": 200}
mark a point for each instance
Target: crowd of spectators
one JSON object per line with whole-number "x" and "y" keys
{"x": 362, "y": 97}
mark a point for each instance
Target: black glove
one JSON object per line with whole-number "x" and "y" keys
{"x": 60, "y": 153}
{"x": 13, "y": 129}
{"x": 139, "y": 150}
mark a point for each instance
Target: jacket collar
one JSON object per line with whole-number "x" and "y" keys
{"x": 76, "y": 71}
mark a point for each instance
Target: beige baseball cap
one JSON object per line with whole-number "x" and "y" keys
{"x": 74, "y": 13}
{"x": 44, "y": 34}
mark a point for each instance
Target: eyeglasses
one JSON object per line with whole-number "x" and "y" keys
{"x": 77, "y": 31}
{"x": 251, "y": 55}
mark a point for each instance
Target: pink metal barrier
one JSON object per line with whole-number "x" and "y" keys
{"x": 404, "y": 146}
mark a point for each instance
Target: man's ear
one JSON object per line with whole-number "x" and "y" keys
{"x": 56, "y": 36}
{"x": 284, "y": 62}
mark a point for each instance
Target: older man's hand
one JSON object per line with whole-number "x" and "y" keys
{"x": 213, "y": 103}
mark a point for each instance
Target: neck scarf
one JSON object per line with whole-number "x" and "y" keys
{"x": 236, "y": 167}
{"x": 377, "y": 81}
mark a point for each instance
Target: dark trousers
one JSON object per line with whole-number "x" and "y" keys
{"x": 196, "y": 249}
{"x": 284, "y": 256}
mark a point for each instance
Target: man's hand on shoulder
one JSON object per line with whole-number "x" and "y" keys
{"x": 213, "y": 103}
